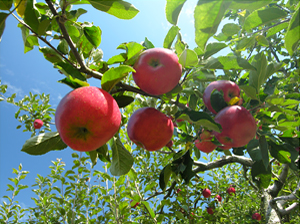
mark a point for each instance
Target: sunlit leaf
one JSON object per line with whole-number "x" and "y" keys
{"x": 173, "y": 9}
{"x": 172, "y": 33}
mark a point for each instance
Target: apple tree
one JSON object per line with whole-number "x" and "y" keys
{"x": 121, "y": 181}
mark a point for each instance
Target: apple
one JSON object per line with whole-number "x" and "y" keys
{"x": 231, "y": 190}
{"x": 37, "y": 124}
{"x": 210, "y": 211}
{"x": 86, "y": 118}
{"x": 150, "y": 129}
{"x": 219, "y": 198}
{"x": 230, "y": 90}
{"x": 206, "y": 193}
{"x": 157, "y": 71}
{"x": 178, "y": 190}
{"x": 205, "y": 145}
{"x": 238, "y": 126}
{"x": 135, "y": 205}
{"x": 256, "y": 216}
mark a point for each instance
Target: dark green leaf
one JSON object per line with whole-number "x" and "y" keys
{"x": 258, "y": 77}
{"x": 270, "y": 85}
{"x": 63, "y": 47}
{"x": 188, "y": 58}
{"x": 264, "y": 175}
{"x": 30, "y": 16}
{"x": 93, "y": 34}
{"x": 103, "y": 154}
{"x": 208, "y": 15}
{"x": 123, "y": 101}
{"x": 173, "y": 9}
{"x": 6, "y": 4}
{"x": 254, "y": 150}
{"x": 164, "y": 176}
{"x": 230, "y": 29}
{"x": 73, "y": 82}
{"x": 114, "y": 75}
{"x": 263, "y": 16}
{"x": 117, "y": 8}
{"x": 292, "y": 39}
{"x": 263, "y": 145}
{"x": 69, "y": 70}
{"x": 51, "y": 55}
{"x": 28, "y": 40}
{"x": 148, "y": 207}
{"x": 228, "y": 63}
{"x": 280, "y": 152}
{"x": 93, "y": 156}
{"x": 122, "y": 160}
{"x": 3, "y": 17}
{"x": 213, "y": 48}
{"x": 245, "y": 42}
{"x": 43, "y": 26}
{"x": 193, "y": 101}
{"x": 43, "y": 143}
{"x": 172, "y": 33}
{"x": 217, "y": 100}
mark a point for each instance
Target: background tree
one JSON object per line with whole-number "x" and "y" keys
{"x": 166, "y": 186}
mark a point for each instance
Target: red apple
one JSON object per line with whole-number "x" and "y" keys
{"x": 149, "y": 128}
{"x": 231, "y": 190}
{"x": 37, "y": 124}
{"x": 210, "y": 211}
{"x": 157, "y": 71}
{"x": 178, "y": 190}
{"x": 219, "y": 198}
{"x": 135, "y": 205}
{"x": 205, "y": 145}
{"x": 86, "y": 118}
{"x": 238, "y": 126}
{"x": 206, "y": 193}
{"x": 256, "y": 216}
{"x": 230, "y": 90}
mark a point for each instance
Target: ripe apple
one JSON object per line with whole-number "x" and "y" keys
{"x": 231, "y": 190}
{"x": 149, "y": 128}
{"x": 157, "y": 71}
{"x": 230, "y": 90}
{"x": 206, "y": 193}
{"x": 205, "y": 145}
{"x": 37, "y": 124}
{"x": 256, "y": 216}
{"x": 210, "y": 211}
{"x": 86, "y": 118}
{"x": 219, "y": 198}
{"x": 135, "y": 205}
{"x": 178, "y": 190}
{"x": 238, "y": 126}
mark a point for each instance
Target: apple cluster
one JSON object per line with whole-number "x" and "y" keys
{"x": 238, "y": 125}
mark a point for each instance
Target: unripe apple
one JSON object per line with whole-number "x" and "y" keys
{"x": 210, "y": 211}
{"x": 219, "y": 198}
{"x": 256, "y": 216}
{"x": 149, "y": 128}
{"x": 230, "y": 90}
{"x": 37, "y": 124}
{"x": 206, "y": 193}
{"x": 238, "y": 126}
{"x": 157, "y": 71}
{"x": 86, "y": 118}
{"x": 205, "y": 144}
{"x": 231, "y": 190}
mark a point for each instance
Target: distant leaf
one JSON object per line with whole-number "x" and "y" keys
{"x": 213, "y": 48}
{"x": 6, "y": 4}
{"x": 117, "y": 8}
{"x": 123, "y": 100}
{"x": 228, "y": 63}
{"x": 3, "y": 17}
{"x": 30, "y": 16}
{"x": 230, "y": 29}
{"x": 43, "y": 143}
{"x": 172, "y": 33}
{"x": 69, "y": 70}
{"x": 258, "y": 170}
{"x": 148, "y": 207}
{"x": 188, "y": 58}
{"x": 249, "y": 5}
{"x": 73, "y": 82}
{"x": 114, "y": 75}
{"x": 122, "y": 160}
{"x": 93, "y": 34}
{"x": 208, "y": 15}
{"x": 173, "y": 9}
{"x": 217, "y": 100}
{"x": 261, "y": 40}
{"x": 164, "y": 176}
{"x": 250, "y": 91}
{"x": 292, "y": 36}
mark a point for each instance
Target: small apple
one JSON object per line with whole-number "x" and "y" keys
{"x": 37, "y": 124}
{"x": 157, "y": 71}
{"x": 206, "y": 193}
{"x": 231, "y": 190}
{"x": 238, "y": 126}
{"x": 135, "y": 205}
{"x": 205, "y": 145}
{"x": 256, "y": 216}
{"x": 86, "y": 118}
{"x": 219, "y": 198}
{"x": 210, "y": 211}
{"x": 149, "y": 128}
{"x": 230, "y": 90}
{"x": 178, "y": 190}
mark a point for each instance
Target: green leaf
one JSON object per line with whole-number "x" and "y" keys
{"x": 117, "y": 8}
{"x": 188, "y": 58}
{"x": 217, "y": 100}
{"x": 250, "y": 91}
{"x": 208, "y": 15}
{"x": 292, "y": 36}
{"x": 133, "y": 49}
{"x": 114, "y": 75}
{"x": 103, "y": 154}
{"x": 264, "y": 175}
{"x": 254, "y": 150}
{"x": 172, "y": 33}
{"x": 123, "y": 100}
{"x": 270, "y": 85}
{"x": 3, "y": 17}
{"x": 276, "y": 29}
{"x": 93, "y": 34}
{"x": 29, "y": 40}
{"x": 213, "y": 48}
{"x": 63, "y": 47}
{"x": 228, "y": 62}
{"x": 148, "y": 44}
{"x": 230, "y": 29}
{"x": 30, "y": 16}
{"x": 73, "y": 82}
{"x": 164, "y": 176}
{"x": 93, "y": 156}
{"x": 258, "y": 77}
{"x": 117, "y": 59}
{"x": 261, "y": 40}
{"x": 69, "y": 70}
{"x": 147, "y": 205}
{"x": 245, "y": 42}
{"x": 263, "y": 16}
{"x": 51, "y": 55}
{"x": 6, "y": 4}
{"x": 184, "y": 166}
{"x": 280, "y": 152}
{"x": 249, "y": 5}
{"x": 43, "y": 143}
{"x": 263, "y": 145}
{"x": 122, "y": 160}
{"x": 173, "y": 9}
{"x": 43, "y": 26}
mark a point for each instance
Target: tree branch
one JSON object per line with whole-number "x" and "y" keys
{"x": 277, "y": 186}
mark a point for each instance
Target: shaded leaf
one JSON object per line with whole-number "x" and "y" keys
{"x": 245, "y": 42}
{"x": 123, "y": 100}
{"x": 103, "y": 154}
{"x": 164, "y": 176}
{"x": 69, "y": 70}
{"x": 263, "y": 145}
{"x": 264, "y": 175}
{"x": 173, "y": 9}
{"x": 250, "y": 91}
{"x": 280, "y": 152}
{"x": 230, "y": 29}
{"x": 254, "y": 150}
{"x": 93, "y": 34}
{"x": 6, "y": 4}
{"x": 217, "y": 100}
{"x": 63, "y": 46}
{"x": 3, "y": 17}
{"x": 30, "y": 16}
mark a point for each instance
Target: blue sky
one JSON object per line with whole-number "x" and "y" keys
{"x": 30, "y": 72}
